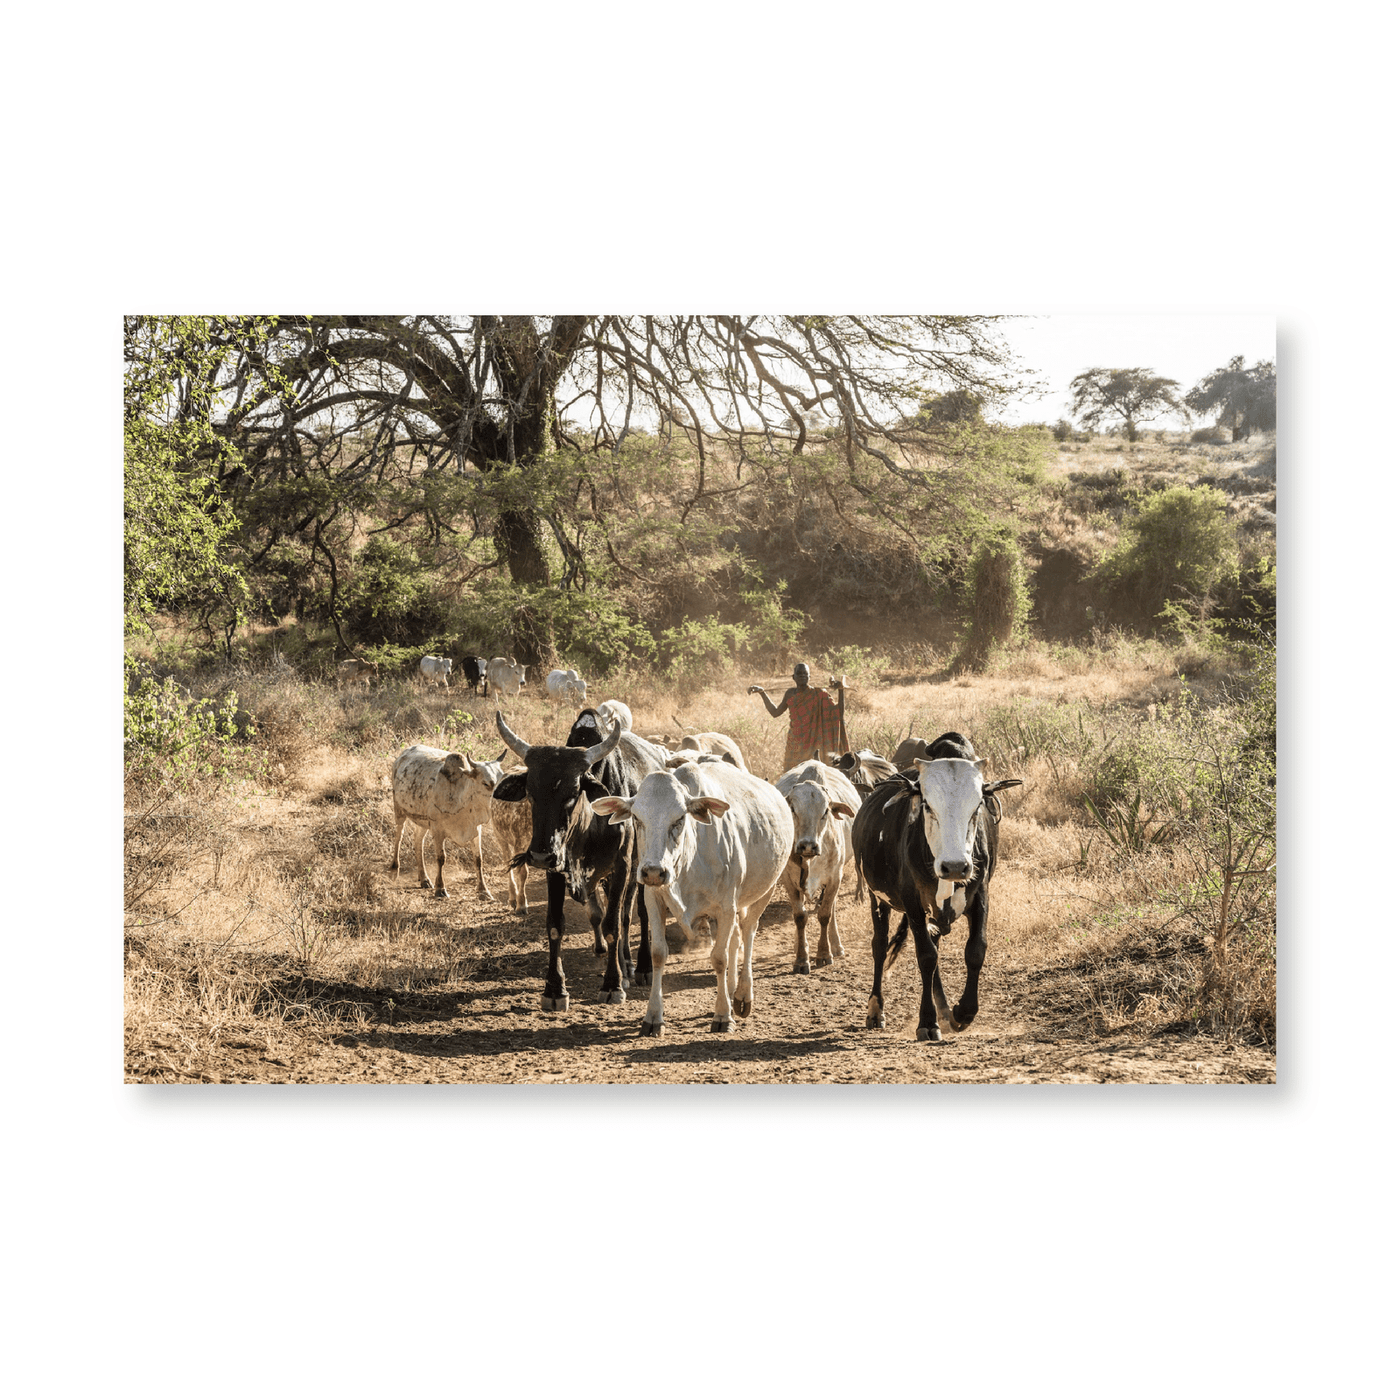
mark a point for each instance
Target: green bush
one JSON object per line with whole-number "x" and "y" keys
{"x": 389, "y": 597}
{"x": 170, "y": 738}
{"x": 1179, "y": 548}
{"x": 995, "y": 598}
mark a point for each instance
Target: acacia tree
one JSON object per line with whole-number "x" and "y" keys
{"x": 444, "y": 415}
{"x": 1128, "y": 394}
{"x": 1244, "y": 400}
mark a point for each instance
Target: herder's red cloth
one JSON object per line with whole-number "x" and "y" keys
{"x": 815, "y": 725}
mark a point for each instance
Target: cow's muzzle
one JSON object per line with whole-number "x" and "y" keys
{"x": 542, "y": 860}
{"x": 954, "y": 869}
{"x": 806, "y": 850}
{"x": 654, "y": 875}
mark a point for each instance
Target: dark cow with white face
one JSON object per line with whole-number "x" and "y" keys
{"x": 474, "y": 673}
{"x": 578, "y": 849}
{"x": 926, "y": 842}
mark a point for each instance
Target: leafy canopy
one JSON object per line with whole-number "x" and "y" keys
{"x": 1127, "y": 394}
{"x": 1243, "y": 400}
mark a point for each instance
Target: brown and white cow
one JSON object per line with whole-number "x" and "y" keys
{"x": 448, "y": 797}
{"x": 352, "y": 671}
{"x": 823, "y": 804}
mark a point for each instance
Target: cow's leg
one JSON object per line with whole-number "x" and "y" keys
{"x": 879, "y": 947}
{"x": 440, "y": 850}
{"x": 748, "y": 927}
{"x": 643, "y": 973}
{"x": 973, "y": 955}
{"x": 556, "y": 994}
{"x": 398, "y": 841}
{"x": 654, "y": 1022}
{"x": 614, "y": 983}
{"x": 595, "y": 922}
{"x": 829, "y": 947}
{"x": 724, "y": 956}
{"x": 481, "y": 891}
{"x": 423, "y": 882}
{"x": 933, "y": 1005}
{"x": 792, "y": 886}
{"x": 626, "y": 967}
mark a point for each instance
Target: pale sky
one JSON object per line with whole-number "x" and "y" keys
{"x": 1180, "y": 346}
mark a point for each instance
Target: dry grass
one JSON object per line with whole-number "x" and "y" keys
{"x": 263, "y": 911}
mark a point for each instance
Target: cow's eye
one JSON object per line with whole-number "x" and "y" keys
{"x": 676, "y": 826}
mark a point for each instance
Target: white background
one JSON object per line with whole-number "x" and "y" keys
{"x": 1204, "y": 158}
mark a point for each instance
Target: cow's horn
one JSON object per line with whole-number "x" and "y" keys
{"x": 601, "y": 751}
{"x": 511, "y": 738}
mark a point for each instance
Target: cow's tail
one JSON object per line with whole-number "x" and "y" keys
{"x": 897, "y": 943}
{"x": 516, "y": 861}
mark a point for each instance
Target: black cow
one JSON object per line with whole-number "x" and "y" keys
{"x": 577, "y": 849}
{"x": 474, "y": 673}
{"x": 926, "y": 842}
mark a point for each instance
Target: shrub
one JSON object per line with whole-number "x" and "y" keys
{"x": 1062, "y": 430}
{"x": 1179, "y": 548}
{"x": 1210, "y": 435}
{"x": 995, "y": 597}
{"x": 169, "y": 738}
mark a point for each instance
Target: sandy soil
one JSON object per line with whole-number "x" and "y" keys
{"x": 806, "y": 1029}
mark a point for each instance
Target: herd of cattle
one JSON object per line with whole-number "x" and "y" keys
{"x": 498, "y": 675}
{"x": 609, "y": 811}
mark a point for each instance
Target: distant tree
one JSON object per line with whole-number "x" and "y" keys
{"x": 1129, "y": 394}
{"x": 956, "y": 406}
{"x": 1243, "y": 400}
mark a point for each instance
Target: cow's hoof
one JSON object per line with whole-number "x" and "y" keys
{"x": 615, "y": 997}
{"x": 821, "y": 962}
{"x": 802, "y": 967}
{"x": 875, "y": 1021}
{"x": 652, "y": 1028}
{"x": 742, "y": 1008}
{"x": 549, "y": 1003}
{"x": 439, "y": 894}
{"x": 962, "y": 1019}
{"x": 629, "y": 970}
{"x": 642, "y": 979}
{"x": 930, "y": 1033}
{"x": 718, "y": 1025}
{"x": 425, "y": 884}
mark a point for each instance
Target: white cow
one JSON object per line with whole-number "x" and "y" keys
{"x": 355, "y": 670}
{"x": 824, "y": 803}
{"x": 437, "y": 668}
{"x": 449, "y": 798}
{"x": 712, "y": 841}
{"x": 511, "y": 824}
{"x": 611, "y": 710}
{"x": 504, "y": 678}
{"x": 566, "y": 685}
{"x": 711, "y": 742}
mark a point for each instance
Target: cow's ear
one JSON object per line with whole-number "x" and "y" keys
{"x": 703, "y": 808}
{"x": 618, "y": 808}
{"x": 842, "y": 809}
{"x": 981, "y": 763}
{"x": 511, "y": 788}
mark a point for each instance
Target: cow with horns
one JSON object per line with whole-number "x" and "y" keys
{"x": 578, "y": 849}
{"x": 926, "y": 843}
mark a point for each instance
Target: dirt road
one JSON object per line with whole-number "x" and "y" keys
{"x": 807, "y": 1029}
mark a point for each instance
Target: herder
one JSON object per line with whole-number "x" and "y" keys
{"x": 815, "y": 726}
